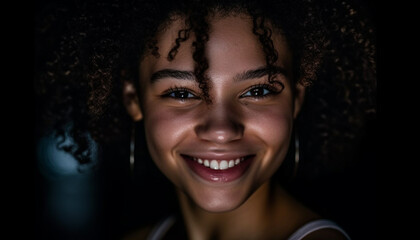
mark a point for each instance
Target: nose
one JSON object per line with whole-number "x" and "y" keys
{"x": 220, "y": 124}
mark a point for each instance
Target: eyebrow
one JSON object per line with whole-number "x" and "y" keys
{"x": 258, "y": 73}
{"x": 170, "y": 73}
{"x": 188, "y": 75}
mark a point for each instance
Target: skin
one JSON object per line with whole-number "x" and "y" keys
{"x": 250, "y": 207}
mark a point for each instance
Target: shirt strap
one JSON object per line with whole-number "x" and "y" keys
{"x": 314, "y": 226}
{"x": 161, "y": 228}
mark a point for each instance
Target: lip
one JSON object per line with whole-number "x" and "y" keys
{"x": 226, "y": 175}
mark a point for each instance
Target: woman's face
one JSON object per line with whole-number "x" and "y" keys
{"x": 220, "y": 152}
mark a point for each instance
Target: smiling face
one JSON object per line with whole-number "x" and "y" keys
{"x": 220, "y": 152}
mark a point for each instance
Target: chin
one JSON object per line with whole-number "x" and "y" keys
{"x": 219, "y": 205}
{"x": 219, "y": 200}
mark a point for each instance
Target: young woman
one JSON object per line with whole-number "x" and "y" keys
{"x": 220, "y": 87}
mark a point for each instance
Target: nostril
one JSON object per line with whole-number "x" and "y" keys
{"x": 220, "y": 134}
{"x": 221, "y": 123}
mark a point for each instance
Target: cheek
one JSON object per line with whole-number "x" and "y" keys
{"x": 162, "y": 131}
{"x": 274, "y": 131}
{"x": 165, "y": 129}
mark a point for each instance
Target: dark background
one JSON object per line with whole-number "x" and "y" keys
{"x": 108, "y": 200}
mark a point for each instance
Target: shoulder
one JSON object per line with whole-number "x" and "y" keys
{"x": 305, "y": 224}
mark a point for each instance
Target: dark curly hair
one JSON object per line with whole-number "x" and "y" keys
{"x": 86, "y": 50}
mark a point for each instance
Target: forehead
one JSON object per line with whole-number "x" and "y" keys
{"x": 232, "y": 46}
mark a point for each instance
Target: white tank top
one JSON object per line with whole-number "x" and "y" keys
{"x": 161, "y": 228}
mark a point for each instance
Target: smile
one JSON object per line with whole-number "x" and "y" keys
{"x": 219, "y": 164}
{"x": 219, "y": 170}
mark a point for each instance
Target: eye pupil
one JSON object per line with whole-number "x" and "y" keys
{"x": 181, "y": 94}
{"x": 260, "y": 91}
{"x": 257, "y": 91}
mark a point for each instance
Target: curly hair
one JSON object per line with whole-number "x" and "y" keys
{"x": 85, "y": 51}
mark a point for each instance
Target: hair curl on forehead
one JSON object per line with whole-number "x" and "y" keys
{"x": 196, "y": 20}
{"x": 87, "y": 51}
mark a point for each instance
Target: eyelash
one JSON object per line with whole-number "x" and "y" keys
{"x": 272, "y": 90}
{"x": 174, "y": 90}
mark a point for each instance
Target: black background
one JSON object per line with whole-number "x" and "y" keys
{"x": 350, "y": 197}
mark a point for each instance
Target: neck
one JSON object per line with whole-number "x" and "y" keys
{"x": 258, "y": 218}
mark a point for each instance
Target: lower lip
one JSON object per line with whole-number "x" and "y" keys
{"x": 227, "y": 175}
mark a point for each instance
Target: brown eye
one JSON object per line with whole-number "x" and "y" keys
{"x": 180, "y": 94}
{"x": 259, "y": 91}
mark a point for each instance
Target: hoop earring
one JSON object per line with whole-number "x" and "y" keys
{"x": 132, "y": 148}
{"x": 297, "y": 154}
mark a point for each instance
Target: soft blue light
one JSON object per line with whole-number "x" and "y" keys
{"x": 70, "y": 196}
{"x": 54, "y": 162}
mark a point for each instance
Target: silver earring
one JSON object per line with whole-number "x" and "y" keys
{"x": 132, "y": 146}
{"x": 297, "y": 154}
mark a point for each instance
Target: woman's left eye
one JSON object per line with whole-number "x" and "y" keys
{"x": 259, "y": 91}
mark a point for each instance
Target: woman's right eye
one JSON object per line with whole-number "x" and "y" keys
{"x": 180, "y": 94}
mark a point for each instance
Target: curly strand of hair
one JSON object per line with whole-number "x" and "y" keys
{"x": 152, "y": 46}
{"x": 264, "y": 35}
{"x": 183, "y": 36}
{"x": 201, "y": 29}
{"x": 196, "y": 22}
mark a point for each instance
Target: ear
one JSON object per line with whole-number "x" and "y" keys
{"x": 299, "y": 98}
{"x": 131, "y": 101}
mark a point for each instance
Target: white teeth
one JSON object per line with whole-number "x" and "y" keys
{"x": 223, "y": 165}
{"x": 219, "y": 164}
{"x": 214, "y": 165}
{"x": 206, "y": 163}
{"x": 231, "y": 163}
